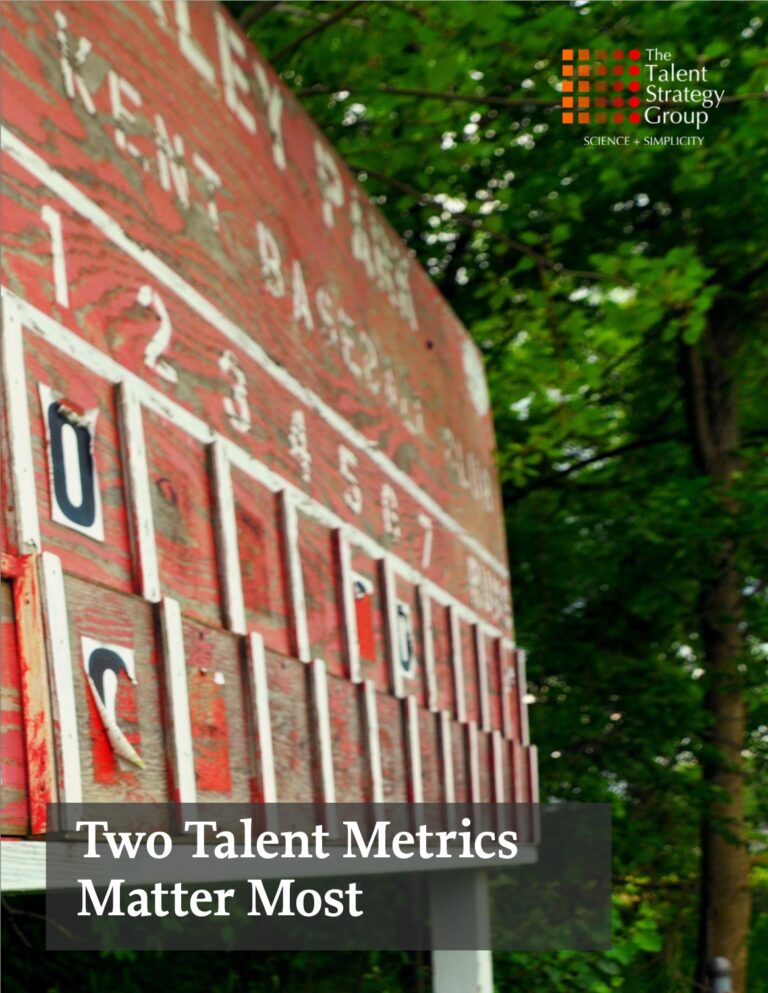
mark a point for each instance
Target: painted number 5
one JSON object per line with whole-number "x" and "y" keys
{"x": 353, "y": 495}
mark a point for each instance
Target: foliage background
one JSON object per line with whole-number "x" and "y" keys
{"x": 581, "y": 272}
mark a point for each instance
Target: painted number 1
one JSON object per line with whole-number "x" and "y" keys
{"x": 52, "y": 219}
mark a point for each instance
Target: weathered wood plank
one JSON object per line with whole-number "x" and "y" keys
{"x": 14, "y": 801}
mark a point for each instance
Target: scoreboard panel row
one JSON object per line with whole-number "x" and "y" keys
{"x": 152, "y": 706}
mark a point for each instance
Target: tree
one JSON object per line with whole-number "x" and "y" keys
{"x": 619, "y": 295}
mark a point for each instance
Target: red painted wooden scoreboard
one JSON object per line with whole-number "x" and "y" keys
{"x": 252, "y": 535}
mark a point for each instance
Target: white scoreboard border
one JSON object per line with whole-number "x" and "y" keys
{"x": 134, "y": 394}
{"x": 162, "y": 272}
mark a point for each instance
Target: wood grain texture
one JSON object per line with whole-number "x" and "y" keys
{"x": 35, "y": 693}
{"x": 14, "y": 807}
{"x": 261, "y": 565}
{"x": 217, "y": 701}
{"x": 393, "y": 749}
{"x": 348, "y": 741}
{"x": 182, "y": 507}
{"x": 461, "y": 769}
{"x": 291, "y": 728}
{"x": 125, "y": 620}
{"x": 321, "y": 594}
{"x": 430, "y": 757}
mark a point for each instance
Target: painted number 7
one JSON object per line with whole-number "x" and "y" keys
{"x": 426, "y": 549}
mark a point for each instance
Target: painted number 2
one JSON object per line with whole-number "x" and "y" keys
{"x": 161, "y": 339}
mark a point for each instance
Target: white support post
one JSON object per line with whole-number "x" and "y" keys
{"x": 19, "y": 435}
{"x": 64, "y": 711}
{"x": 474, "y": 762}
{"x": 507, "y": 677}
{"x": 533, "y": 789}
{"x": 482, "y": 676}
{"x": 517, "y": 772}
{"x": 175, "y": 668}
{"x": 460, "y": 918}
{"x": 462, "y": 971}
{"x": 292, "y": 555}
{"x": 522, "y": 691}
{"x": 497, "y": 747}
{"x": 139, "y": 497}
{"x": 323, "y": 722}
{"x": 374, "y": 744}
{"x": 457, "y": 665}
{"x": 446, "y": 757}
{"x": 390, "y": 615}
{"x": 259, "y": 686}
{"x": 414, "y": 749}
{"x": 349, "y": 614}
{"x": 428, "y": 642}
{"x": 226, "y": 538}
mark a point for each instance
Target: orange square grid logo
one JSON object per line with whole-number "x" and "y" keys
{"x": 600, "y": 86}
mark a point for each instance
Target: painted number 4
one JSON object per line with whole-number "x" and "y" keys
{"x": 298, "y": 444}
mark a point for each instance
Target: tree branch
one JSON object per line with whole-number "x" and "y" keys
{"x": 337, "y": 15}
{"x": 255, "y": 12}
{"x": 486, "y": 101}
{"x": 516, "y": 493}
{"x": 475, "y": 222}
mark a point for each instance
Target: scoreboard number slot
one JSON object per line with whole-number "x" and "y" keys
{"x": 104, "y": 665}
{"x": 74, "y": 487}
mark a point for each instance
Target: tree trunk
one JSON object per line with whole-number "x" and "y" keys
{"x": 712, "y": 408}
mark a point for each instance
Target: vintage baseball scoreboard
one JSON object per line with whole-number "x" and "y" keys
{"x": 253, "y": 545}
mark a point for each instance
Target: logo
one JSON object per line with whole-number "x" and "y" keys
{"x": 599, "y": 87}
